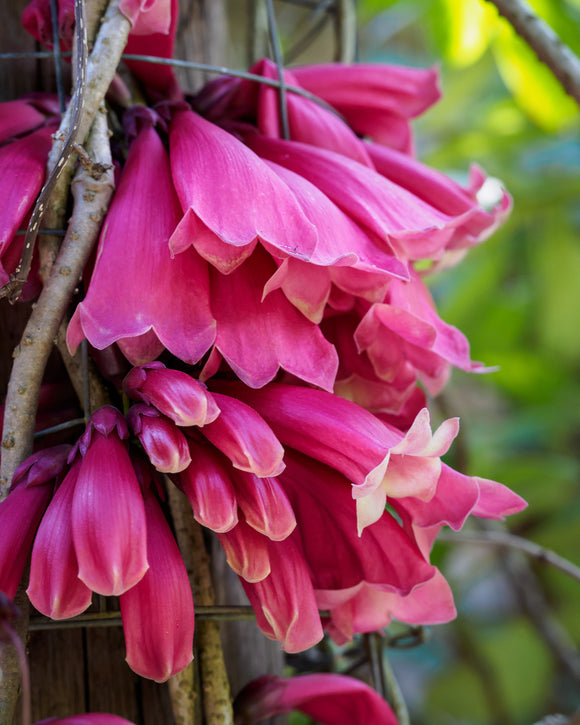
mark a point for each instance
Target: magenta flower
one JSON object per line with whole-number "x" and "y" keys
{"x": 54, "y": 586}
{"x": 157, "y": 612}
{"x": 243, "y": 436}
{"x": 376, "y": 100}
{"x": 22, "y": 171}
{"x": 284, "y": 601}
{"x": 406, "y": 329}
{"x": 176, "y": 394}
{"x": 86, "y": 718}
{"x": 328, "y": 698}
{"x": 165, "y": 303}
{"x": 153, "y": 33}
{"x": 108, "y": 515}
{"x": 18, "y": 117}
{"x": 22, "y": 510}
{"x": 163, "y": 442}
{"x": 208, "y": 486}
{"x": 247, "y": 551}
{"x": 244, "y": 315}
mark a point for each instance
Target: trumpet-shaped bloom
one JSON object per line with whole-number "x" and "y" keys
{"x": 108, "y": 516}
{"x": 54, "y": 587}
{"x": 22, "y": 171}
{"x": 157, "y": 612}
{"x": 208, "y": 486}
{"x": 247, "y": 551}
{"x": 174, "y": 393}
{"x": 18, "y": 117}
{"x": 163, "y": 441}
{"x": 407, "y": 225}
{"x": 328, "y": 698}
{"x": 164, "y": 302}
{"x": 22, "y": 510}
{"x": 376, "y": 100}
{"x": 243, "y": 316}
{"x": 245, "y": 438}
{"x": 284, "y": 601}
{"x": 252, "y": 202}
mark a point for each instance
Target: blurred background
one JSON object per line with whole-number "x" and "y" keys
{"x": 511, "y": 657}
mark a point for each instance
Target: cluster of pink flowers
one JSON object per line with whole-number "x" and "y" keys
{"x": 279, "y": 282}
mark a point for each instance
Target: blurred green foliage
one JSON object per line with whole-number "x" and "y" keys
{"x": 517, "y": 297}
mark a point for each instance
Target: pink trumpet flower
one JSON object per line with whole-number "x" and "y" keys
{"x": 208, "y": 486}
{"x": 18, "y": 117}
{"x": 243, "y": 436}
{"x": 406, "y": 329}
{"x": 145, "y": 321}
{"x": 54, "y": 586}
{"x": 377, "y": 458}
{"x": 176, "y": 394}
{"x": 328, "y": 698}
{"x": 162, "y": 440}
{"x": 22, "y": 510}
{"x": 375, "y": 100}
{"x": 22, "y": 171}
{"x": 108, "y": 515}
{"x": 157, "y": 612}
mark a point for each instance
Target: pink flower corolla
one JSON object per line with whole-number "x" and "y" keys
{"x": 157, "y": 612}
{"x": 22, "y": 172}
{"x": 323, "y": 555}
{"x": 358, "y": 380}
{"x": 163, "y": 442}
{"x": 409, "y": 227}
{"x": 405, "y": 329}
{"x": 259, "y": 103}
{"x": 108, "y": 515}
{"x": 243, "y": 316}
{"x": 165, "y": 303}
{"x": 375, "y": 100}
{"x": 376, "y": 457}
{"x": 444, "y": 194}
{"x": 21, "y": 511}
{"x": 86, "y": 718}
{"x": 37, "y": 20}
{"x": 328, "y": 698}
{"x": 149, "y": 16}
{"x": 208, "y": 486}
{"x": 153, "y": 33}
{"x": 54, "y": 587}
{"x": 174, "y": 393}
{"x": 284, "y": 601}
{"x": 19, "y": 117}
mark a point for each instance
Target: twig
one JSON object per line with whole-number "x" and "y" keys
{"x": 546, "y": 44}
{"x": 510, "y": 541}
{"x": 528, "y": 590}
{"x": 91, "y": 191}
{"x": 70, "y": 135}
{"x": 217, "y": 702}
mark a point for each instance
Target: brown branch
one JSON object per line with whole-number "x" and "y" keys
{"x": 217, "y": 702}
{"x": 91, "y": 189}
{"x": 545, "y": 43}
{"x": 510, "y": 541}
{"x": 527, "y": 588}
